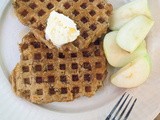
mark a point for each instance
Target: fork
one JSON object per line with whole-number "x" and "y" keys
{"x": 120, "y": 106}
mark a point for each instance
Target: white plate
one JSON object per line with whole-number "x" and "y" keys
{"x": 95, "y": 108}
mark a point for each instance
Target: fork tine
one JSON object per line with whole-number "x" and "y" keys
{"x": 124, "y": 109}
{"x": 110, "y": 114}
{"x": 128, "y": 113}
{"x": 120, "y": 107}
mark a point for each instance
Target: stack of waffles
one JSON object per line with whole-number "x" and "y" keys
{"x": 46, "y": 73}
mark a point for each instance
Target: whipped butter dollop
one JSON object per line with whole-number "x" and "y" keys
{"x": 60, "y": 29}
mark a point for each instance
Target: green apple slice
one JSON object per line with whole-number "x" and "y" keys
{"x": 127, "y": 12}
{"x": 133, "y": 74}
{"x": 133, "y": 33}
{"x": 118, "y": 57}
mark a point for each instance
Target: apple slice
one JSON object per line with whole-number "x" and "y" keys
{"x": 127, "y": 12}
{"x": 118, "y": 57}
{"x": 133, "y": 74}
{"x": 133, "y": 33}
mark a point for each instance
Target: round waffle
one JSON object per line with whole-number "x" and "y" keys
{"x": 91, "y": 17}
{"x": 46, "y": 75}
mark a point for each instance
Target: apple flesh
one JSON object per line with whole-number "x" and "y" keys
{"x": 116, "y": 56}
{"x": 127, "y": 12}
{"x": 131, "y": 35}
{"x": 133, "y": 74}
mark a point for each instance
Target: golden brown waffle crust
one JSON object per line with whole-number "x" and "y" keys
{"x": 46, "y": 75}
{"x": 91, "y": 17}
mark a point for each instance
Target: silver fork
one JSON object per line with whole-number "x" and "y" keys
{"x": 119, "y": 109}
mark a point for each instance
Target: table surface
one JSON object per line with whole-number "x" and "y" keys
{"x": 158, "y": 117}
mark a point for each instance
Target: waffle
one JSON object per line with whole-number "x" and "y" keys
{"x": 46, "y": 75}
{"x": 91, "y": 17}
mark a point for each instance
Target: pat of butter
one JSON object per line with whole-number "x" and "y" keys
{"x": 60, "y": 29}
